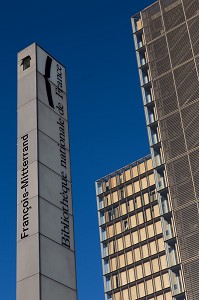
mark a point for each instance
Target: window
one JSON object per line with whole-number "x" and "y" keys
{"x": 158, "y": 227}
{"x": 156, "y": 211}
{"x": 104, "y": 249}
{"x": 103, "y": 233}
{"x": 143, "y": 234}
{"x": 125, "y": 294}
{"x": 110, "y": 230}
{"x": 151, "y": 179}
{"x": 125, "y": 224}
{"x": 139, "y": 201}
{"x": 136, "y": 186}
{"x": 106, "y": 266}
{"x": 163, "y": 262}
{"x": 107, "y": 283}
{"x": 123, "y": 278}
{"x": 135, "y": 171}
{"x": 146, "y": 198}
{"x": 113, "y": 264}
{"x": 100, "y": 202}
{"x": 118, "y": 227}
{"x": 123, "y": 208}
{"x": 130, "y": 206}
{"x": 135, "y": 237}
{"x": 107, "y": 200}
{"x": 141, "y": 289}
{"x": 145, "y": 251}
{"x": 148, "y": 214}
{"x": 113, "y": 182}
{"x": 172, "y": 255}
{"x": 115, "y": 197}
{"x": 120, "y": 244}
{"x": 129, "y": 257}
{"x": 153, "y": 248}
{"x": 166, "y": 282}
{"x": 112, "y": 214}
{"x": 161, "y": 244}
{"x": 147, "y": 268}
{"x": 127, "y": 239}
{"x": 140, "y": 218}
{"x": 144, "y": 183}
{"x": 121, "y": 261}
{"x": 157, "y": 284}
{"x": 151, "y": 232}
{"x": 131, "y": 275}
{"x": 155, "y": 265}
{"x": 129, "y": 189}
{"x": 111, "y": 247}
{"x": 168, "y": 296}
{"x": 149, "y": 164}
{"x": 128, "y": 175}
{"x": 102, "y": 219}
{"x": 149, "y": 285}
{"x": 115, "y": 281}
{"x": 137, "y": 255}
{"x": 121, "y": 193}
{"x": 142, "y": 168}
{"x": 117, "y": 296}
{"x": 133, "y": 221}
{"x": 152, "y": 196}
{"x": 139, "y": 271}
{"x": 26, "y": 62}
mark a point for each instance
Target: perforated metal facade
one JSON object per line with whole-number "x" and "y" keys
{"x": 166, "y": 34}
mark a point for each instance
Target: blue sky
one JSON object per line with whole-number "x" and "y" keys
{"x": 93, "y": 39}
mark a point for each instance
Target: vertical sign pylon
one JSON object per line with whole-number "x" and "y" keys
{"x": 45, "y": 238}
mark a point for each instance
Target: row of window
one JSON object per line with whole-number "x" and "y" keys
{"x": 128, "y": 190}
{"x": 140, "y": 200}
{"x": 147, "y": 214}
{"x": 141, "y": 252}
{"x": 125, "y": 259}
{"x": 123, "y": 176}
{"x": 127, "y": 206}
{"x": 131, "y": 222}
{"x": 134, "y": 294}
{"x": 147, "y": 287}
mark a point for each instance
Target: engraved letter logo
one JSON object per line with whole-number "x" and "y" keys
{"x": 47, "y": 76}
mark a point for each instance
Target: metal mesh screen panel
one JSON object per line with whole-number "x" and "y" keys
{"x": 187, "y": 83}
{"x": 193, "y": 25}
{"x": 179, "y": 45}
{"x": 194, "y": 161}
{"x": 191, "y": 8}
{"x": 165, "y": 95}
{"x": 152, "y": 22}
{"x": 180, "y": 183}
{"x": 172, "y": 136}
{"x": 191, "y": 270}
{"x": 182, "y": 194}
{"x": 168, "y": 3}
{"x": 173, "y": 14}
{"x": 190, "y": 117}
{"x": 158, "y": 57}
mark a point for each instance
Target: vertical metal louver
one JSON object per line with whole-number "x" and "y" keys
{"x": 171, "y": 32}
{"x": 191, "y": 9}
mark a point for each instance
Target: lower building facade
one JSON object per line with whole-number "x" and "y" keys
{"x": 136, "y": 260}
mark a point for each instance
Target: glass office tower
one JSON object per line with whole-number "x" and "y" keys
{"x": 166, "y": 36}
{"x": 132, "y": 241}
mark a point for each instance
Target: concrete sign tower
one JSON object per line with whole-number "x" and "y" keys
{"x": 45, "y": 238}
